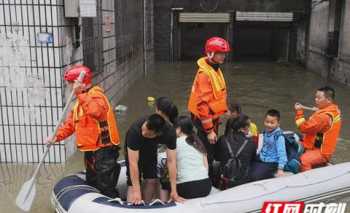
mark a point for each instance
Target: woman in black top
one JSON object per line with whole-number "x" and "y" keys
{"x": 235, "y": 135}
{"x": 167, "y": 109}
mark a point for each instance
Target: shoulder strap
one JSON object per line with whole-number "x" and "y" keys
{"x": 229, "y": 147}
{"x": 242, "y": 147}
{"x": 239, "y": 150}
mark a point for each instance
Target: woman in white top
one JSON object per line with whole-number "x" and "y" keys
{"x": 191, "y": 160}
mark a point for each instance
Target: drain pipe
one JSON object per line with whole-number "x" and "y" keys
{"x": 144, "y": 38}
{"x": 171, "y": 56}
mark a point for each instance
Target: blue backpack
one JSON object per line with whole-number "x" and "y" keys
{"x": 294, "y": 150}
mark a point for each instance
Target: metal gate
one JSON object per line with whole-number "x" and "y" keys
{"x": 264, "y": 16}
{"x": 205, "y": 17}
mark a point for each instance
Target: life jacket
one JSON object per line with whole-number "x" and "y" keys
{"x": 325, "y": 140}
{"x": 93, "y": 134}
{"x": 217, "y": 101}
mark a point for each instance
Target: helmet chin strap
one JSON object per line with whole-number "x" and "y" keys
{"x": 211, "y": 57}
{"x": 86, "y": 87}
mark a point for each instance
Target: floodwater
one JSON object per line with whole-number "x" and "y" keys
{"x": 257, "y": 86}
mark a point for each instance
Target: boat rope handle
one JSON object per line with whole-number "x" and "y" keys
{"x": 117, "y": 199}
{"x": 131, "y": 204}
{"x": 156, "y": 201}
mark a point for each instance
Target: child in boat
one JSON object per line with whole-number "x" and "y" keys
{"x": 272, "y": 158}
{"x": 191, "y": 160}
{"x": 237, "y": 139}
{"x": 234, "y": 111}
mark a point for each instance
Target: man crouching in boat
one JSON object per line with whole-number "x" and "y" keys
{"x": 94, "y": 124}
{"x": 320, "y": 131}
{"x": 141, "y": 143}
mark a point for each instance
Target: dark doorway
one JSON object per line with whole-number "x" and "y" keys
{"x": 261, "y": 41}
{"x": 194, "y": 35}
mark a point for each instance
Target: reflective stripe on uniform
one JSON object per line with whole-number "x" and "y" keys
{"x": 300, "y": 121}
{"x": 336, "y": 119}
{"x": 205, "y": 121}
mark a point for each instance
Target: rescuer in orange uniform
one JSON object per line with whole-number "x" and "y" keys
{"x": 320, "y": 131}
{"x": 208, "y": 99}
{"x": 94, "y": 124}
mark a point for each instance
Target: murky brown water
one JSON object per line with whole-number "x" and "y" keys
{"x": 257, "y": 86}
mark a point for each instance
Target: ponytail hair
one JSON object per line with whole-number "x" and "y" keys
{"x": 186, "y": 126}
{"x": 168, "y": 108}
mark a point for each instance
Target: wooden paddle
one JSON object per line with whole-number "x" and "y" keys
{"x": 27, "y": 193}
{"x": 308, "y": 108}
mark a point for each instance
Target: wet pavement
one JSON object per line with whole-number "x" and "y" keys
{"x": 257, "y": 86}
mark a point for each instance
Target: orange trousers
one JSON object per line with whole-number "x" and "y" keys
{"x": 311, "y": 159}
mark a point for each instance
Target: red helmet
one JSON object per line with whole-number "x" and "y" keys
{"x": 217, "y": 44}
{"x": 73, "y": 72}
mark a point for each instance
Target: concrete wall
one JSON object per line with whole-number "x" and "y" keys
{"x": 31, "y": 85}
{"x": 301, "y": 29}
{"x": 318, "y": 39}
{"x": 301, "y": 43}
{"x": 341, "y": 72}
{"x": 123, "y": 47}
{"x": 32, "y": 91}
{"x": 162, "y": 12}
{"x": 149, "y": 34}
{"x": 327, "y": 17}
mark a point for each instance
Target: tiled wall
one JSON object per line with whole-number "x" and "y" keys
{"x": 342, "y": 71}
{"x": 126, "y": 63}
{"x": 32, "y": 92}
{"x": 31, "y": 85}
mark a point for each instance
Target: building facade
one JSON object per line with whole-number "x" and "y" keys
{"x": 39, "y": 39}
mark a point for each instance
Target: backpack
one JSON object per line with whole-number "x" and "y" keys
{"x": 232, "y": 172}
{"x": 294, "y": 150}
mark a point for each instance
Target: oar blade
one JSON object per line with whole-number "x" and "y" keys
{"x": 26, "y": 195}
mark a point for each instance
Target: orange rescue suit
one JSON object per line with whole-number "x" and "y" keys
{"x": 208, "y": 99}
{"x": 93, "y": 121}
{"x": 323, "y": 127}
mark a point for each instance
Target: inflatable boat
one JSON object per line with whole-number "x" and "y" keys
{"x": 73, "y": 195}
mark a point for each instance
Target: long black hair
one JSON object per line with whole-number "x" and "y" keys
{"x": 234, "y": 125}
{"x": 166, "y": 106}
{"x": 186, "y": 126}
